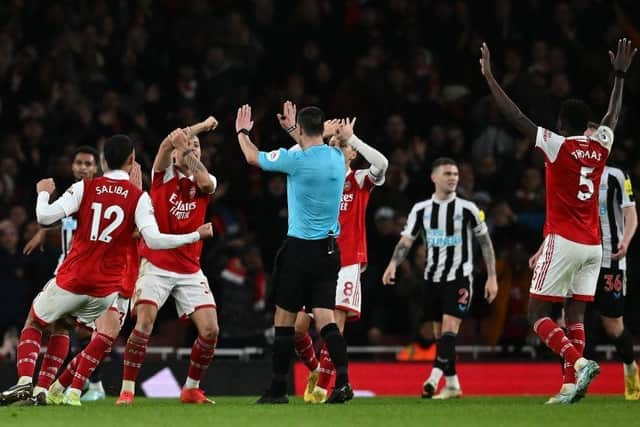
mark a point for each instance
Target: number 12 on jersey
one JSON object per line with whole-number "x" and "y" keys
{"x": 112, "y": 210}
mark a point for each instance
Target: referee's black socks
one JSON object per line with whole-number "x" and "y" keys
{"x": 337, "y": 347}
{"x": 282, "y": 353}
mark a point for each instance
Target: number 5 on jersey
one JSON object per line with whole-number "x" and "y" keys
{"x": 586, "y": 181}
{"x": 112, "y": 210}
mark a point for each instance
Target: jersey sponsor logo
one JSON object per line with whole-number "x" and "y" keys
{"x": 628, "y": 188}
{"x": 586, "y": 154}
{"x": 272, "y": 156}
{"x": 180, "y": 209}
{"x": 112, "y": 189}
{"x": 346, "y": 201}
{"x": 438, "y": 238}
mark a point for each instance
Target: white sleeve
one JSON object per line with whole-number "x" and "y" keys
{"x": 146, "y": 223}
{"x": 478, "y": 226}
{"x": 66, "y": 205}
{"x": 549, "y": 143}
{"x": 215, "y": 183}
{"x": 604, "y": 136}
{"x": 414, "y": 223}
{"x": 378, "y": 161}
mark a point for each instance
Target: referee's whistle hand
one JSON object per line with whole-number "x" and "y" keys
{"x": 205, "y": 231}
{"x": 389, "y": 276}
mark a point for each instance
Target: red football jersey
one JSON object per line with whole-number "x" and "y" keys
{"x": 106, "y": 220}
{"x": 352, "y": 240}
{"x": 574, "y": 166}
{"x": 180, "y": 208}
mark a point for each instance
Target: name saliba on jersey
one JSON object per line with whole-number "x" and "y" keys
{"x": 180, "y": 209}
{"x": 112, "y": 189}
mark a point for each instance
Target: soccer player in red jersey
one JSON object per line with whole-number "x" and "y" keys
{"x": 89, "y": 280}
{"x": 568, "y": 266}
{"x": 181, "y": 189}
{"x": 353, "y": 250}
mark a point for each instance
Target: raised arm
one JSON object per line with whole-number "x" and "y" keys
{"x": 200, "y": 173}
{"x": 163, "y": 157}
{"x": 287, "y": 120}
{"x": 620, "y": 63}
{"x": 376, "y": 159}
{"x": 511, "y": 111}
{"x": 244, "y": 124}
{"x": 67, "y": 204}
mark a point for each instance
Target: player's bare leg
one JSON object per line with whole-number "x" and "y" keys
{"x": 614, "y": 327}
{"x": 306, "y": 352}
{"x": 446, "y": 333}
{"x": 135, "y": 350}
{"x": 337, "y": 348}
{"x": 206, "y": 322}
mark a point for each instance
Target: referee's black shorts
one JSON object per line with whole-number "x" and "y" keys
{"x": 305, "y": 273}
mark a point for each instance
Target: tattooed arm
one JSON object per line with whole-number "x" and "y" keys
{"x": 399, "y": 255}
{"x": 491, "y": 287}
{"x": 199, "y": 171}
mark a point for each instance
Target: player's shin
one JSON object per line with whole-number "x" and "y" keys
{"x": 27, "y": 353}
{"x": 57, "y": 350}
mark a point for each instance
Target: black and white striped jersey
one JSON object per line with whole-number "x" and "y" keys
{"x": 446, "y": 227}
{"x": 615, "y": 194}
{"x": 68, "y": 226}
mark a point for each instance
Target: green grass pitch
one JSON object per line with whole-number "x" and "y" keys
{"x": 399, "y": 411}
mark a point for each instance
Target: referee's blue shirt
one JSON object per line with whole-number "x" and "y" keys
{"x": 314, "y": 188}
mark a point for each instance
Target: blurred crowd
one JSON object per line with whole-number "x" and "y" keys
{"x": 75, "y": 72}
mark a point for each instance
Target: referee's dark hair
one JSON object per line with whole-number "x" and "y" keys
{"x": 117, "y": 150}
{"x": 442, "y": 161}
{"x": 311, "y": 121}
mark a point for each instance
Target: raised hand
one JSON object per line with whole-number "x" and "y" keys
{"x": 345, "y": 131}
{"x": 135, "y": 175}
{"x": 330, "y": 127}
{"x": 624, "y": 55}
{"x": 179, "y": 139}
{"x": 485, "y": 61}
{"x": 243, "y": 118}
{"x": 287, "y": 119}
{"x": 46, "y": 185}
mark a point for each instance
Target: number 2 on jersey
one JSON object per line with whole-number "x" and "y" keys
{"x": 587, "y": 182}
{"x": 105, "y": 236}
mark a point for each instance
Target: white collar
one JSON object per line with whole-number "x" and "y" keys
{"x": 116, "y": 174}
{"x": 447, "y": 200}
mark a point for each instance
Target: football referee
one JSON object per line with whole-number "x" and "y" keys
{"x": 307, "y": 264}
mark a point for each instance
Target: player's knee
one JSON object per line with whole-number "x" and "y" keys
{"x": 210, "y": 332}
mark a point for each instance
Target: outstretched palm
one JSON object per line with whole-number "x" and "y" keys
{"x": 624, "y": 55}
{"x": 485, "y": 61}
{"x": 243, "y": 118}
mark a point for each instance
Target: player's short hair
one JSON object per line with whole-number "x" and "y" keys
{"x": 86, "y": 149}
{"x": 117, "y": 150}
{"x": 442, "y": 161}
{"x": 311, "y": 121}
{"x": 574, "y": 113}
{"x": 593, "y": 125}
